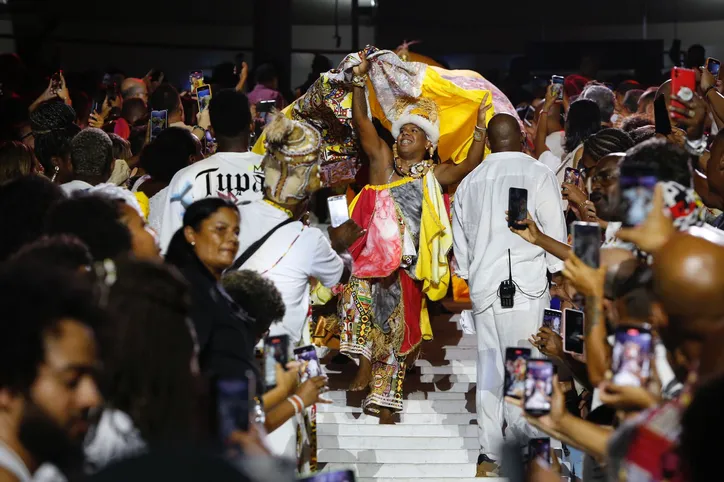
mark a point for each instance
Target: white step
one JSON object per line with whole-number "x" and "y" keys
{"x": 417, "y": 456}
{"x": 449, "y": 378}
{"x": 419, "y": 470}
{"x": 450, "y": 363}
{"x": 461, "y": 479}
{"x": 410, "y": 406}
{"x": 435, "y": 396}
{"x": 353, "y": 442}
{"x": 460, "y": 353}
{"x": 449, "y": 370}
{"x": 364, "y": 430}
{"x": 405, "y": 418}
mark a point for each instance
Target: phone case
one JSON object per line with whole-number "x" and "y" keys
{"x": 568, "y": 328}
{"x": 683, "y": 85}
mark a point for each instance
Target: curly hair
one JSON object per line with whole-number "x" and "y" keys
{"x": 147, "y": 349}
{"x": 62, "y": 251}
{"x": 257, "y": 296}
{"x": 91, "y": 152}
{"x": 642, "y": 134}
{"x": 634, "y": 122}
{"x": 53, "y": 126}
{"x": 671, "y": 161}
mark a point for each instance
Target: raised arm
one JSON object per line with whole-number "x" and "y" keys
{"x": 372, "y": 144}
{"x": 542, "y": 130}
{"x": 451, "y": 173}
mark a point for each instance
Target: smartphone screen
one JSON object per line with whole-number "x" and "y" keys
{"x": 572, "y": 176}
{"x": 203, "y": 97}
{"x": 276, "y": 350}
{"x": 538, "y": 386}
{"x": 587, "y": 243}
{"x": 573, "y": 331}
{"x": 196, "y": 80}
{"x": 308, "y": 354}
{"x": 529, "y": 116}
{"x": 552, "y": 319}
{"x": 558, "y": 81}
{"x": 683, "y": 85}
{"x": 637, "y": 194}
{"x": 661, "y": 116}
{"x": 338, "y": 210}
{"x": 539, "y": 448}
{"x": 713, "y": 66}
{"x": 55, "y": 83}
{"x": 341, "y": 476}
{"x": 517, "y": 207}
{"x": 158, "y": 122}
{"x": 631, "y": 360}
{"x": 234, "y": 401}
{"x": 515, "y": 365}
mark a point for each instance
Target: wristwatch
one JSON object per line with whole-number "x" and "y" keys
{"x": 359, "y": 81}
{"x": 695, "y": 147}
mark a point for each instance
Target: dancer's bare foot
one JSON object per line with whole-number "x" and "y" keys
{"x": 387, "y": 417}
{"x": 364, "y": 375}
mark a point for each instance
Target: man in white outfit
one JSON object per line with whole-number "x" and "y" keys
{"x": 481, "y": 241}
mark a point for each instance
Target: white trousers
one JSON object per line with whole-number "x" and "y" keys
{"x": 498, "y": 328}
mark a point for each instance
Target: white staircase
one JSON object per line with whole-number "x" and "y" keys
{"x": 436, "y": 434}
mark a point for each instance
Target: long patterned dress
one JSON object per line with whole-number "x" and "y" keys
{"x": 383, "y": 312}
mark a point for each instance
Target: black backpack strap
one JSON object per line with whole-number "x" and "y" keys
{"x": 256, "y": 245}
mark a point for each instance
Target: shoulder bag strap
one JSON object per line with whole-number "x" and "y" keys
{"x": 256, "y": 245}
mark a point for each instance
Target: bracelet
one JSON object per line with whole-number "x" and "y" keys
{"x": 696, "y": 147}
{"x": 711, "y": 87}
{"x": 297, "y": 403}
{"x": 359, "y": 81}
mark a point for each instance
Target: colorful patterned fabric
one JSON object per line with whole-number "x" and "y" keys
{"x": 327, "y": 106}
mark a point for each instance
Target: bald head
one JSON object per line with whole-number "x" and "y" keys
{"x": 132, "y": 88}
{"x": 620, "y": 264}
{"x": 504, "y": 133}
{"x": 689, "y": 278}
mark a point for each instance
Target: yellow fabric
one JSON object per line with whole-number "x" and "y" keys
{"x": 143, "y": 202}
{"x": 321, "y": 295}
{"x": 458, "y": 109}
{"x": 435, "y": 241}
{"x": 425, "y": 326}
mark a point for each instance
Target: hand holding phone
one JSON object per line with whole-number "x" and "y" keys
{"x": 157, "y": 123}
{"x": 308, "y": 355}
{"x": 276, "y": 350}
{"x": 683, "y": 86}
{"x": 587, "y": 243}
{"x": 538, "y": 387}
{"x": 203, "y": 97}
{"x": 713, "y": 66}
{"x": 637, "y": 186}
{"x": 517, "y": 207}
{"x": 338, "y": 210}
{"x": 631, "y": 359}
{"x": 558, "y": 81}
{"x": 196, "y": 80}
{"x": 516, "y": 360}
{"x": 553, "y": 319}
{"x": 573, "y": 335}
{"x": 234, "y": 401}
{"x": 539, "y": 448}
{"x": 572, "y": 176}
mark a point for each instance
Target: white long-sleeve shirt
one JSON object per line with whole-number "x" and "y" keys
{"x": 481, "y": 237}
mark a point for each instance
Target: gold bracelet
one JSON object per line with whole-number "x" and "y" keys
{"x": 359, "y": 81}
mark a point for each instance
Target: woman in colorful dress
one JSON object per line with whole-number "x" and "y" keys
{"x": 403, "y": 254}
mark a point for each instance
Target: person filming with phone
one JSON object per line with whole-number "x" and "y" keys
{"x": 507, "y": 277}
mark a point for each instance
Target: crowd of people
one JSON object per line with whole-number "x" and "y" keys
{"x": 158, "y": 276}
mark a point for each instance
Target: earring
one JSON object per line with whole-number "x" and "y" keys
{"x": 432, "y": 152}
{"x": 55, "y": 174}
{"x": 193, "y": 243}
{"x": 394, "y": 150}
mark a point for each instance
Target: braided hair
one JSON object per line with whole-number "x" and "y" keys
{"x": 53, "y": 126}
{"x": 607, "y": 141}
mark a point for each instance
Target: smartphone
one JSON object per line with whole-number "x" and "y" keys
{"x": 265, "y": 106}
{"x": 713, "y": 66}
{"x": 637, "y": 186}
{"x": 157, "y": 123}
{"x": 55, "y": 83}
{"x": 529, "y": 116}
{"x": 276, "y": 350}
{"x": 538, "y": 387}
{"x": 539, "y": 448}
{"x": 234, "y": 402}
{"x": 338, "y": 210}
{"x": 661, "y": 116}
{"x": 573, "y": 331}
{"x": 196, "y": 79}
{"x": 683, "y": 85}
{"x": 517, "y": 207}
{"x": 552, "y": 319}
{"x": 238, "y": 63}
{"x": 515, "y": 365}
{"x": 558, "y": 81}
{"x": 572, "y": 176}
{"x": 587, "y": 243}
{"x": 340, "y": 476}
{"x": 631, "y": 360}
{"x": 308, "y": 354}
{"x": 203, "y": 97}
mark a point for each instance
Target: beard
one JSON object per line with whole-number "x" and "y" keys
{"x": 49, "y": 442}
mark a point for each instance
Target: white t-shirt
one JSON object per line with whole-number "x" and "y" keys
{"x": 11, "y": 462}
{"x": 292, "y": 255}
{"x": 237, "y": 176}
{"x": 554, "y": 142}
{"x": 73, "y": 186}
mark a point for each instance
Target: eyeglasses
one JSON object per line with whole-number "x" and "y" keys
{"x": 606, "y": 177}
